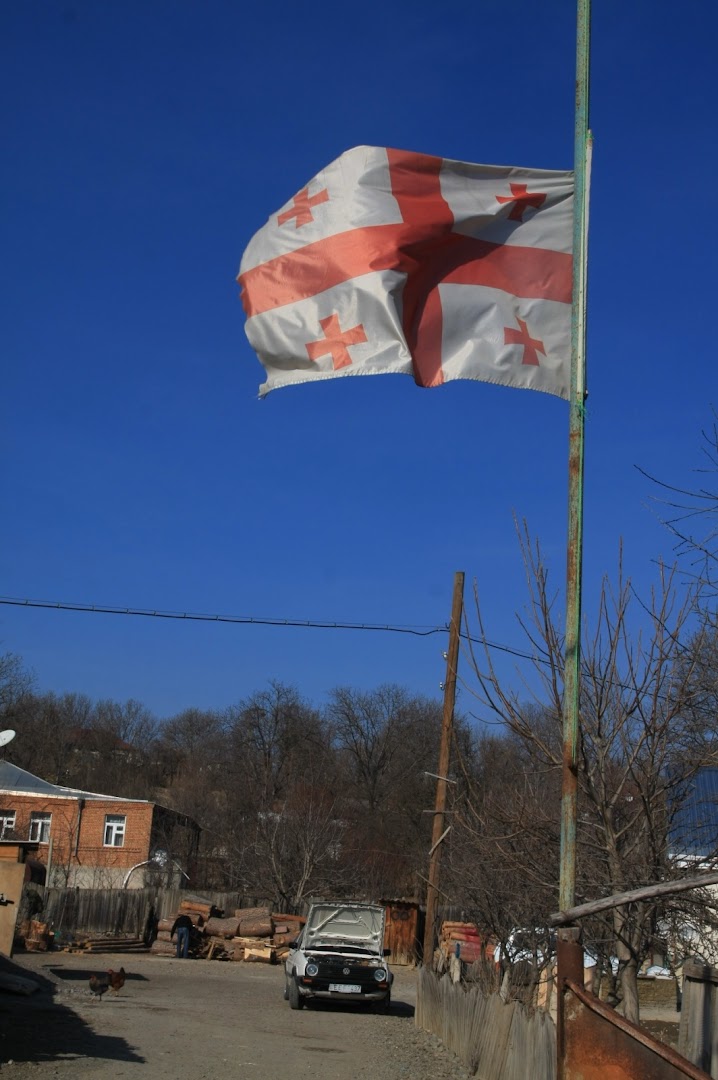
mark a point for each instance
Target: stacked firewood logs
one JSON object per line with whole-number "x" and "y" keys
{"x": 460, "y": 939}
{"x": 253, "y": 935}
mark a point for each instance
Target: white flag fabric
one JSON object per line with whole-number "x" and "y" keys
{"x": 389, "y": 261}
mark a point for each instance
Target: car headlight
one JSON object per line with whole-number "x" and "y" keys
{"x": 380, "y": 974}
{"x": 311, "y": 970}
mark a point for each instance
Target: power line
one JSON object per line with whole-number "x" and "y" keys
{"x": 310, "y": 624}
{"x": 106, "y": 609}
{"x": 254, "y": 620}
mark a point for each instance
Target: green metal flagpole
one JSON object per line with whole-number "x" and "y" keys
{"x": 572, "y": 659}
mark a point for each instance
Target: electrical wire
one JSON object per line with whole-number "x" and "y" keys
{"x": 107, "y": 609}
{"x": 311, "y": 624}
{"x": 254, "y": 620}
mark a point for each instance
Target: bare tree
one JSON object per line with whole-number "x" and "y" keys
{"x": 16, "y": 683}
{"x": 299, "y": 845}
{"x": 641, "y": 739}
{"x": 274, "y": 735}
{"x": 192, "y": 758}
{"x": 48, "y": 727}
{"x": 368, "y": 730}
{"x": 506, "y": 820}
{"x": 237, "y": 773}
{"x": 114, "y": 749}
{"x": 386, "y": 740}
{"x": 690, "y": 514}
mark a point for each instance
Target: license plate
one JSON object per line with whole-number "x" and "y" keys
{"x": 345, "y": 988}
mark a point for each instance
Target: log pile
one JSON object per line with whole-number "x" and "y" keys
{"x": 104, "y": 943}
{"x": 460, "y": 939}
{"x": 200, "y": 912}
{"x": 251, "y": 935}
{"x": 262, "y": 936}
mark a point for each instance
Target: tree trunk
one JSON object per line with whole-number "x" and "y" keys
{"x": 629, "y": 990}
{"x": 226, "y": 928}
{"x": 255, "y": 928}
{"x": 626, "y": 932}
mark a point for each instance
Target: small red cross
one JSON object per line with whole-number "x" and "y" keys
{"x": 522, "y": 337}
{"x": 335, "y": 342}
{"x": 302, "y": 209}
{"x": 521, "y": 199}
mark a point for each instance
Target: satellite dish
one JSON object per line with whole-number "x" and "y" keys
{"x": 6, "y": 736}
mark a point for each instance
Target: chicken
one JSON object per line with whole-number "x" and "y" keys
{"x": 99, "y": 985}
{"x": 116, "y": 979}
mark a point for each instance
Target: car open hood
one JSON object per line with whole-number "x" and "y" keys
{"x": 345, "y": 925}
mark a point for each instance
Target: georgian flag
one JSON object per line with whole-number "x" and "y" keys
{"x": 389, "y": 261}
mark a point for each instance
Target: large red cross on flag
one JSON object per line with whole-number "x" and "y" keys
{"x": 389, "y": 261}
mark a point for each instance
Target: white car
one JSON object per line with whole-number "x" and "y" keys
{"x": 538, "y": 946}
{"x": 340, "y": 956}
{"x": 535, "y": 946}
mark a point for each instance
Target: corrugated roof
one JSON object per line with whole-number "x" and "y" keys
{"x": 694, "y": 829}
{"x": 19, "y": 782}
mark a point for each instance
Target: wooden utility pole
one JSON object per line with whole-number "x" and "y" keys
{"x": 439, "y": 831}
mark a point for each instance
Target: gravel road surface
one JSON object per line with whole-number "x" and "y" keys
{"x": 199, "y": 1020}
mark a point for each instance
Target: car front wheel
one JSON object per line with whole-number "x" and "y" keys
{"x": 296, "y": 1001}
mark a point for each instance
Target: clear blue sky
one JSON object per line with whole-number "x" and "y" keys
{"x": 144, "y": 144}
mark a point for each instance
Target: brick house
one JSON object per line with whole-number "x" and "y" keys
{"x": 88, "y": 840}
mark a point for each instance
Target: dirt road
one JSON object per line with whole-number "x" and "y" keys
{"x": 194, "y": 1020}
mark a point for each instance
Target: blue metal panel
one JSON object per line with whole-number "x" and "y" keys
{"x": 694, "y": 826}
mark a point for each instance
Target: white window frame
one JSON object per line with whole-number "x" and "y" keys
{"x": 8, "y": 819}
{"x": 40, "y": 824}
{"x": 115, "y": 828}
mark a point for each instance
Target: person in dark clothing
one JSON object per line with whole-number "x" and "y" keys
{"x": 182, "y": 926}
{"x": 150, "y": 927}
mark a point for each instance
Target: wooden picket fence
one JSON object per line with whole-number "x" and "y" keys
{"x": 121, "y": 912}
{"x": 494, "y": 1040}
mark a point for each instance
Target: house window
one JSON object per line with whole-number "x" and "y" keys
{"x": 7, "y": 822}
{"x": 40, "y": 828}
{"x": 115, "y": 830}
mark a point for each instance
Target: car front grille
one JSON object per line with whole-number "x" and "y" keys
{"x": 336, "y": 970}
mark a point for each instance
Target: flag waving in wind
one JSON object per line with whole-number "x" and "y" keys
{"x": 390, "y": 261}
